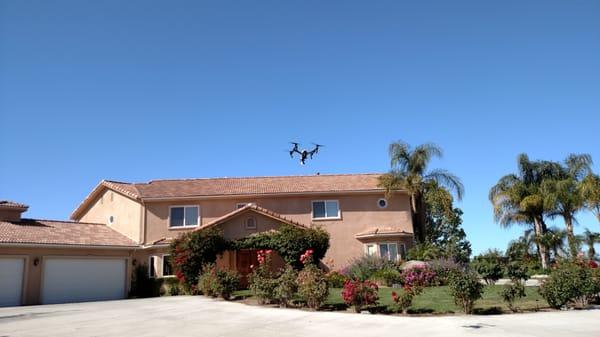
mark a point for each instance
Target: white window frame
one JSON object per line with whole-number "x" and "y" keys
{"x": 184, "y": 225}
{"x": 312, "y": 211}
{"x": 399, "y": 251}
{"x": 162, "y": 267}
{"x": 150, "y": 264}
{"x": 366, "y": 245}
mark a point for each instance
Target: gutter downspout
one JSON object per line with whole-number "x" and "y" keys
{"x": 143, "y": 224}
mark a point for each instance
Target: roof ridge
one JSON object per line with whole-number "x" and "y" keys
{"x": 64, "y": 221}
{"x": 259, "y": 177}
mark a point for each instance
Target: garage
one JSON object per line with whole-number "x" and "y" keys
{"x": 81, "y": 279}
{"x": 11, "y": 281}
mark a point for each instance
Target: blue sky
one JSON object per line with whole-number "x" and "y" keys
{"x": 140, "y": 90}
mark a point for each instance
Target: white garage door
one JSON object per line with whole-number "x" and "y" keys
{"x": 11, "y": 281}
{"x": 79, "y": 280}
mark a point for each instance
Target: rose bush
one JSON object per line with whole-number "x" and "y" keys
{"x": 359, "y": 294}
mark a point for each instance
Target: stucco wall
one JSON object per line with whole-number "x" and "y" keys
{"x": 359, "y": 212}
{"x": 127, "y": 213}
{"x": 33, "y": 273}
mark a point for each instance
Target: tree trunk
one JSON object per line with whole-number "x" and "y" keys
{"x": 540, "y": 229}
{"x": 418, "y": 217}
{"x": 571, "y": 235}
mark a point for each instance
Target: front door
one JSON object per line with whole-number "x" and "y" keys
{"x": 245, "y": 259}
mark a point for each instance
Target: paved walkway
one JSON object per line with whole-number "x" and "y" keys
{"x": 198, "y": 316}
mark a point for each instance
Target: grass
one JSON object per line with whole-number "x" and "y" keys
{"x": 437, "y": 300}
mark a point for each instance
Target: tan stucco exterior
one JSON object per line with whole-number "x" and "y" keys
{"x": 36, "y": 255}
{"x": 127, "y": 213}
{"x": 359, "y": 212}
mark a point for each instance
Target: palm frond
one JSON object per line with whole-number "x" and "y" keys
{"x": 448, "y": 180}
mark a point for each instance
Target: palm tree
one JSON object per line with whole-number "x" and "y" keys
{"x": 590, "y": 188}
{"x": 590, "y": 239}
{"x": 554, "y": 239}
{"x": 409, "y": 172}
{"x": 564, "y": 194}
{"x": 518, "y": 199}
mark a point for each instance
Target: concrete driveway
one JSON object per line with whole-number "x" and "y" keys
{"x": 199, "y": 316}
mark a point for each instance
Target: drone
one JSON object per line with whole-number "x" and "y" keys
{"x": 304, "y": 154}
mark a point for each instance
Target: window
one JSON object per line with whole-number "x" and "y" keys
{"x": 250, "y": 223}
{"x": 167, "y": 267}
{"x": 152, "y": 267}
{"x": 370, "y": 250}
{"x": 111, "y": 220}
{"x": 326, "y": 209}
{"x": 382, "y": 203}
{"x": 184, "y": 216}
{"x": 388, "y": 250}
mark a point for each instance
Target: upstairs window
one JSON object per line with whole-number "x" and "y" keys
{"x": 184, "y": 216}
{"x": 326, "y": 209}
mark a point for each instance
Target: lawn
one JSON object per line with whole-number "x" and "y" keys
{"x": 437, "y": 300}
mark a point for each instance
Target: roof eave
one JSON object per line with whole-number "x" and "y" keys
{"x": 62, "y": 245}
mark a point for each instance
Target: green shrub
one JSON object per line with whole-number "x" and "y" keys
{"x": 312, "y": 286}
{"x": 425, "y": 252}
{"x": 489, "y": 266}
{"x": 516, "y": 271}
{"x": 364, "y": 267}
{"x": 171, "y": 286}
{"x": 570, "y": 283}
{"x": 208, "y": 282}
{"x": 142, "y": 285}
{"x": 386, "y": 276}
{"x": 287, "y": 286}
{"x": 335, "y": 279}
{"x": 192, "y": 250}
{"x": 466, "y": 289}
{"x": 228, "y": 281}
{"x": 512, "y": 292}
{"x": 262, "y": 281}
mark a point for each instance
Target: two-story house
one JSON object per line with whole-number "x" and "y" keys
{"x": 351, "y": 207}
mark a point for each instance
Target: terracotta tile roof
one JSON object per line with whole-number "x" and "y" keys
{"x": 251, "y": 208}
{"x": 32, "y": 231}
{"x": 251, "y": 185}
{"x": 382, "y": 231}
{"x": 214, "y": 187}
{"x": 162, "y": 241}
{"x": 11, "y": 204}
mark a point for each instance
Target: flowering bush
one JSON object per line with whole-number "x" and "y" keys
{"x": 312, "y": 286}
{"x": 359, "y": 294}
{"x": 262, "y": 280}
{"x": 287, "y": 286}
{"x": 404, "y": 300}
{"x": 307, "y": 257}
{"x": 571, "y": 282}
{"x": 418, "y": 276}
{"x": 443, "y": 267}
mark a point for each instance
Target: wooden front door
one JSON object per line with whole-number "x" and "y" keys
{"x": 245, "y": 259}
